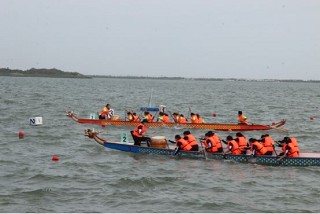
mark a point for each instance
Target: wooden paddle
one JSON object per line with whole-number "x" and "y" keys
{"x": 204, "y": 150}
{"x": 279, "y": 129}
{"x": 172, "y": 117}
{"x": 272, "y": 127}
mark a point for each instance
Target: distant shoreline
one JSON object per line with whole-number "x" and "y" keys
{"x": 43, "y": 72}
{"x": 55, "y": 73}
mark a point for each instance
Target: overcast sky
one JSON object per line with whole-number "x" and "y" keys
{"x": 255, "y": 39}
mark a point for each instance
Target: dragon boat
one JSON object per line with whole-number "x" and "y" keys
{"x": 212, "y": 126}
{"x": 304, "y": 159}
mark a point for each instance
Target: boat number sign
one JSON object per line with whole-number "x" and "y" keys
{"x": 124, "y": 138}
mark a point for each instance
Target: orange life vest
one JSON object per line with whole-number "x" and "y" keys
{"x": 176, "y": 118}
{"x": 194, "y": 119}
{"x": 268, "y": 143}
{"x": 136, "y": 118}
{"x": 149, "y": 117}
{"x": 200, "y": 120}
{"x": 182, "y": 120}
{"x": 185, "y": 145}
{"x": 260, "y": 149}
{"x": 215, "y": 145}
{"x": 104, "y": 111}
{"x": 234, "y": 147}
{"x": 242, "y": 119}
{"x": 295, "y": 143}
{"x": 139, "y": 130}
{"x": 242, "y": 143}
{"x": 191, "y": 140}
{"x": 292, "y": 150}
{"x": 165, "y": 119}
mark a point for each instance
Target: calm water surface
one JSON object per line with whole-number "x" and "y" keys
{"x": 90, "y": 178}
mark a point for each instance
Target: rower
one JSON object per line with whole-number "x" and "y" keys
{"x": 233, "y": 146}
{"x": 191, "y": 140}
{"x": 267, "y": 142}
{"x": 256, "y": 147}
{"x": 289, "y": 147}
{"x": 242, "y": 142}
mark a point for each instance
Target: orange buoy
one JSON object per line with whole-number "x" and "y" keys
{"x": 55, "y": 157}
{"x": 21, "y": 134}
{"x": 214, "y": 114}
{"x": 311, "y": 118}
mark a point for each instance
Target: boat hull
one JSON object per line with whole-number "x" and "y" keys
{"x": 305, "y": 159}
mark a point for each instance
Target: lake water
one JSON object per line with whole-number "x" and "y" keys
{"x": 90, "y": 178}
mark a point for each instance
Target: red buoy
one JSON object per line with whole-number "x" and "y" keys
{"x": 55, "y": 157}
{"x": 214, "y": 114}
{"x": 311, "y": 118}
{"x": 273, "y": 123}
{"x": 21, "y": 134}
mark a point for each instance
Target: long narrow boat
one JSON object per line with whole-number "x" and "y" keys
{"x": 211, "y": 126}
{"x": 304, "y": 159}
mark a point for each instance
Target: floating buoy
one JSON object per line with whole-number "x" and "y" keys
{"x": 273, "y": 123}
{"x": 214, "y": 114}
{"x": 311, "y": 118}
{"x": 55, "y": 158}
{"x": 21, "y": 134}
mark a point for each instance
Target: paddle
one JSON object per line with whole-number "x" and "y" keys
{"x": 279, "y": 129}
{"x": 172, "y": 117}
{"x": 204, "y": 150}
{"x": 271, "y": 127}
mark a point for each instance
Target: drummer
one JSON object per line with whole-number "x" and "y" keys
{"x": 138, "y": 134}
{"x": 106, "y": 112}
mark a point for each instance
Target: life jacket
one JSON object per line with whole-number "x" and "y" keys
{"x": 194, "y": 119}
{"x": 216, "y": 145}
{"x": 104, "y": 111}
{"x": 292, "y": 150}
{"x": 191, "y": 140}
{"x": 295, "y": 143}
{"x": 234, "y": 147}
{"x": 176, "y": 118}
{"x": 136, "y": 118}
{"x": 268, "y": 143}
{"x": 242, "y": 143}
{"x": 242, "y": 119}
{"x": 260, "y": 149}
{"x": 217, "y": 140}
{"x": 149, "y": 117}
{"x": 166, "y": 119}
{"x": 185, "y": 145}
{"x": 200, "y": 120}
{"x": 182, "y": 119}
{"x": 139, "y": 130}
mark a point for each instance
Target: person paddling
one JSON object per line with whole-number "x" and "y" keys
{"x": 182, "y": 144}
{"x": 256, "y": 147}
{"x": 212, "y": 143}
{"x": 289, "y": 149}
{"x": 191, "y": 140}
{"x": 233, "y": 146}
{"x": 267, "y": 142}
{"x": 242, "y": 142}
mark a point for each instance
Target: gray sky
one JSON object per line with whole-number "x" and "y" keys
{"x": 255, "y": 39}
